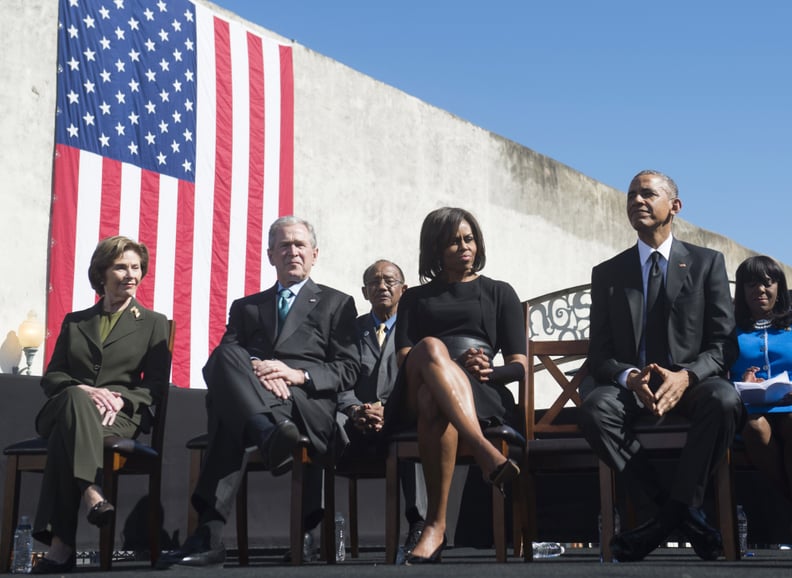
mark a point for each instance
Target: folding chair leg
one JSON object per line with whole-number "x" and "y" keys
{"x": 242, "y": 521}
{"x": 296, "y": 523}
{"x": 392, "y": 505}
{"x": 155, "y": 516}
{"x": 607, "y": 483}
{"x": 328, "y": 521}
{"x": 529, "y": 532}
{"x": 726, "y": 508}
{"x": 518, "y": 513}
{"x": 354, "y": 546}
{"x": 10, "y": 512}
{"x": 499, "y": 524}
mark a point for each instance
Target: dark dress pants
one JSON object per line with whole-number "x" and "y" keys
{"x": 234, "y": 396}
{"x": 714, "y": 410}
{"x": 74, "y": 431}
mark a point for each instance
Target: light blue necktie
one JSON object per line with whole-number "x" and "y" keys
{"x": 283, "y": 306}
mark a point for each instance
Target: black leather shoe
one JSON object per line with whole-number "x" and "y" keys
{"x": 47, "y": 566}
{"x": 706, "y": 540}
{"x": 279, "y": 447}
{"x": 435, "y": 558}
{"x": 634, "y": 545}
{"x": 194, "y": 553}
{"x": 416, "y": 530}
{"x": 101, "y": 514}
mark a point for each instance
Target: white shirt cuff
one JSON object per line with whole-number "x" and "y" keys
{"x": 622, "y": 377}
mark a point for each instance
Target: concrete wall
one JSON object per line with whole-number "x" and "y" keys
{"x": 370, "y": 162}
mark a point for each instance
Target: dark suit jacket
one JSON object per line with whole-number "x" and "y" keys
{"x": 134, "y": 359}
{"x": 378, "y": 368}
{"x": 701, "y": 328}
{"x": 318, "y": 336}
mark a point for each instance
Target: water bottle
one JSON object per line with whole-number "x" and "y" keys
{"x": 616, "y": 528}
{"x": 309, "y": 547}
{"x": 340, "y": 553}
{"x": 742, "y": 531}
{"x": 23, "y": 547}
{"x": 547, "y": 550}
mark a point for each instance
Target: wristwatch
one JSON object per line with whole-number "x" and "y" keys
{"x": 307, "y": 376}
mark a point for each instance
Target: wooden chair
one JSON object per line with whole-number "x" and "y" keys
{"x": 354, "y": 470}
{"x": 571, "y": 305}
{"x": 122, "y": 456}
{"x": 668, "y": 439}
{"x": 198, "y": 446}
{"x": 509, "y": 442}
{"x": 555, "y": 442}
{"x": 404, "y": 446}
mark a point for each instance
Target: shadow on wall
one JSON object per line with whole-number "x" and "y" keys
{"x": 10, "y": 353}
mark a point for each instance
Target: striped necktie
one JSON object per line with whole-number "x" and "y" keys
{"x": 381, "y": 333}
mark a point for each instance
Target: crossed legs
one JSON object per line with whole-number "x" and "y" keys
{"x": 439, "y": 395}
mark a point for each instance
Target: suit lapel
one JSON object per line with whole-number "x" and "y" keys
{"x": 306, "y": 300}
{"x": 370, "y": 336}
{"x": 678, "y": 271}
{"x": 90, "y": 326}
{"x": 127, "y": 323}
{"x": 633, "y": 290}
{"x": 268, "y": 312}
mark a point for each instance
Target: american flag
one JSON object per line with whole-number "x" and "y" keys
{"x": 174, "y": 126}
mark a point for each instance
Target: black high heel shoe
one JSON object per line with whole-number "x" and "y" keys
{"x": 434, "y": 558}
{"x": 47, "y": 566}
{"x": 101, "y": 514}
{"x": 504, "y": 474}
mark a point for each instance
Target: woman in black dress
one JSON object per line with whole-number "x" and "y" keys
{"x": 446, "y": 335}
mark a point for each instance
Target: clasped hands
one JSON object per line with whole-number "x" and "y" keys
{"x": 660, "y": 402}
{"x": 107, "y": 402}
{"x": 477, "y": 363}
{"x": 277, "y": 377}
{"x": 368, "y": 417}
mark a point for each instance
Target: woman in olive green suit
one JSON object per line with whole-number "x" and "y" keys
{"x": 109, "y": 365}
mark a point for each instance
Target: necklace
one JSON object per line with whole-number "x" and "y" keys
{"x": 762, "y": 324}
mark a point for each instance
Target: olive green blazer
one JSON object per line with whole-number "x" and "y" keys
{"x": 134, "y": 360}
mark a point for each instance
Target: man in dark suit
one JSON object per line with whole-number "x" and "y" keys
{"x": 662, "y": 337}
{"x": 286, "y": 353}
{"x": 360, "y": 411}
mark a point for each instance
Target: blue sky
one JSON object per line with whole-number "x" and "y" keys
{"x": 699, "y": 90}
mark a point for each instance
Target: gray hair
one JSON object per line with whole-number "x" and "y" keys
{"x": 285, "y": 222}
{"x": 370, "y": 269}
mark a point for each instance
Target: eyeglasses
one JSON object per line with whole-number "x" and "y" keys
{"x": 389, "y": 282}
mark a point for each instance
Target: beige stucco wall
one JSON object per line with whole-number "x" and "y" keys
{"x": 370, "y": 162}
